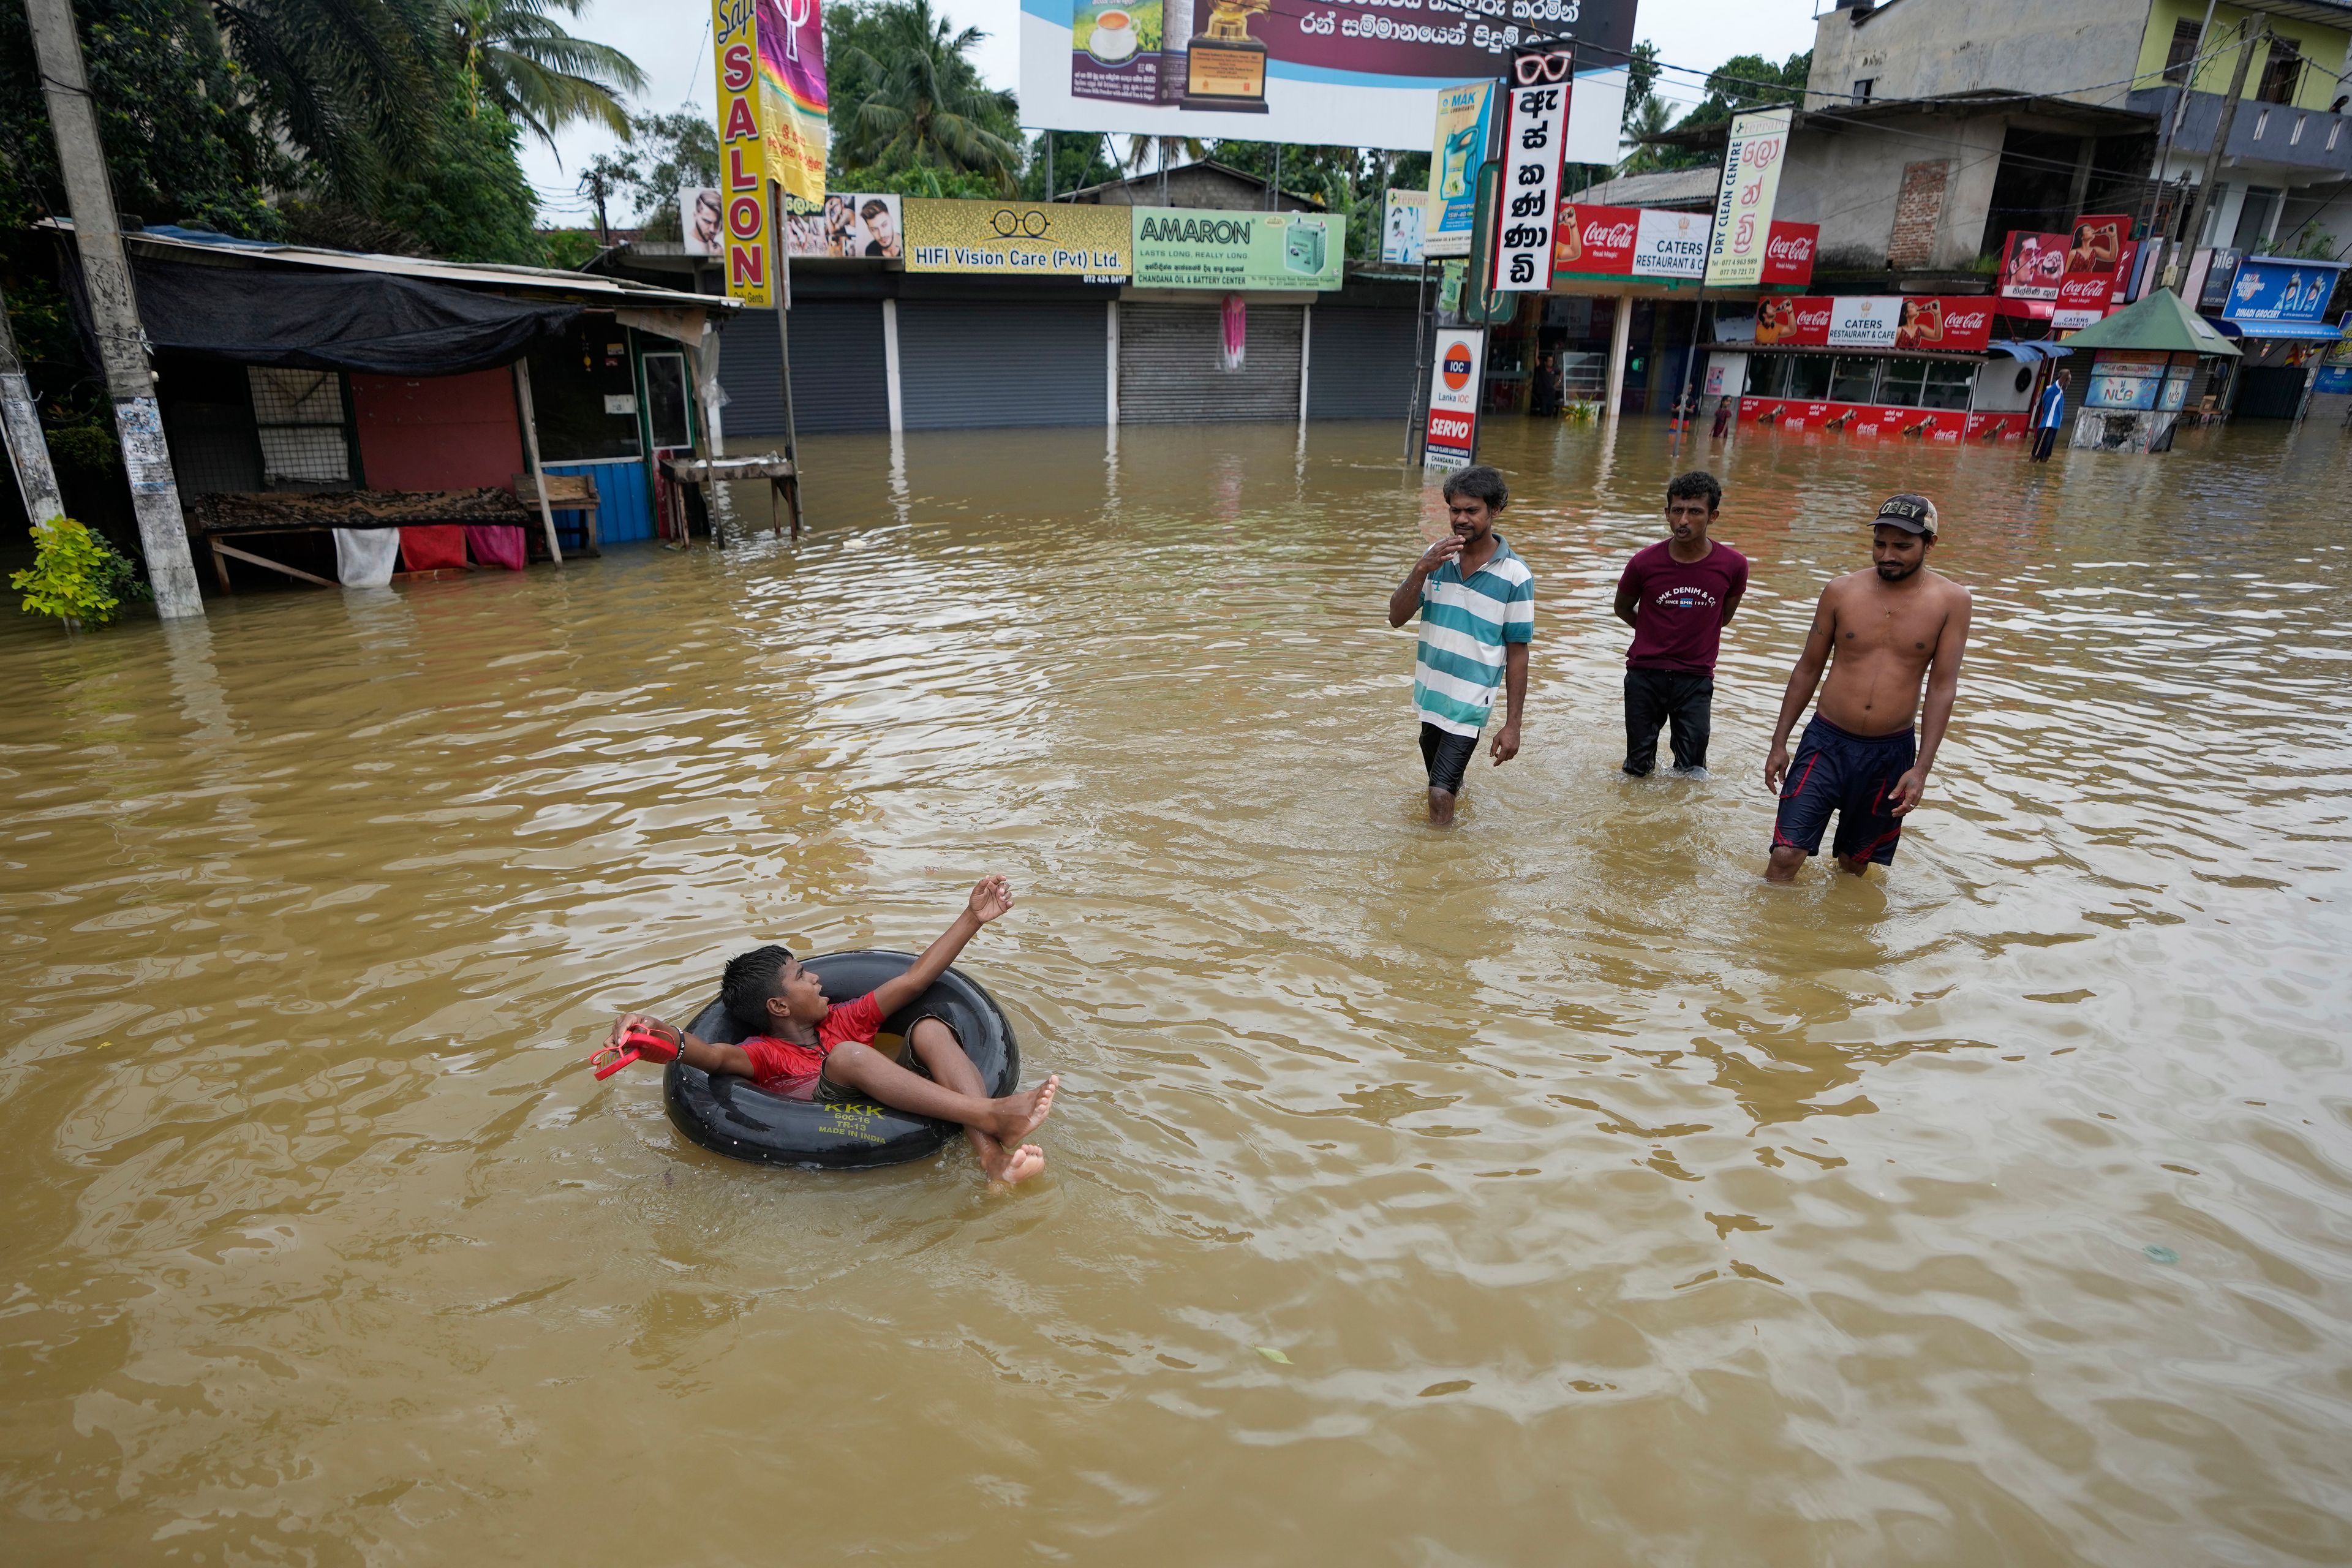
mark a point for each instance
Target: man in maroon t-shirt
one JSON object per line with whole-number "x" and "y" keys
{"x": 1677, "y": 595}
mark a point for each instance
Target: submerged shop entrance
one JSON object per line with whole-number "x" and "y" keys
{"x": 1171, "y": 363}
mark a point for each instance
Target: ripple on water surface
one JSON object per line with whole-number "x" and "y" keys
{"x": 1548, "y": 1189}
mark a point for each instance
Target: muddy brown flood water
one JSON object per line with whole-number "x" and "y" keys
{"x": 1607, "y": 1205}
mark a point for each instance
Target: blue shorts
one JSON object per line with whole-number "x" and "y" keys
{"x": 1853, "y": 776}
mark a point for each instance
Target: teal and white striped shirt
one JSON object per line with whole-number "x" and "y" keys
{"x": 1464, "y": 626}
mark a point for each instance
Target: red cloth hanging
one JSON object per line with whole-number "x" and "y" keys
{"x": 495, "y": 545}
{"x": 431, "y": 549}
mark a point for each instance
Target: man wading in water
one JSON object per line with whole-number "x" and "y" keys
{"x": 1677, "y": 595}
{"x": 1887, "y": 627}
{"x": 1478, "y": 603}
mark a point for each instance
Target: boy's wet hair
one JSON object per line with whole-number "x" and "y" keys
{"x": 1481, "y": 483}
{"x": 1697, "y": 482}
{"x": 750, "y": 978}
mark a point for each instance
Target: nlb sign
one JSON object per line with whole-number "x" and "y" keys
{"x": 743, "y": 151}
{"x": 1456, "y": 375}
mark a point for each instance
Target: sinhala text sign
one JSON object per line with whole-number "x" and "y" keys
{"x": 1527, "y": 206}
{"x": 1357, "y": 74}
{"x": 1177, "y": 247}
{"x": 742, "y": 156}
{"x": 1063, "y": 240}
{"x": 1743, "y": 208}
{"x": 1455, "y": 377}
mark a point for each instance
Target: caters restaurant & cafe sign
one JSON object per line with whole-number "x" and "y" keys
{"x": 1603, "y": 241}
{"x": 1905, "y": 324}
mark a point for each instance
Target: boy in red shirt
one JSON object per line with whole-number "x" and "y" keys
{"x": 811, "y": 1045}
{"x": 1677, "y": 595}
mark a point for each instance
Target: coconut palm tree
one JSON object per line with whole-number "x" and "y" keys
{"x": 919, "y": 101}
{"x": 1650, "y": 118}
{"x": 519, "y": 60}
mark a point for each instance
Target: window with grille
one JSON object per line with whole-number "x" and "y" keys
{"x": 2182, "y": 51}
{"x": 304, "y": 424}
{"x": 2282, "y": 72}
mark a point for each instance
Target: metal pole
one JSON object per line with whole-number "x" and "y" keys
{"x": 2172, "y": 122}
{"x": 114, "y": 310}
{"x": 20, "y": 425}
{"x": 784, "y": 346}
{"x": 1421, "y": 308}
{"x": 530, "y": 451}
{"x": 2204, "y": 197}
{"x": 1620, "y": 338}
{"x": 1698, "y": 315}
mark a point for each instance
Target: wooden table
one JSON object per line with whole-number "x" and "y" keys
{"x": 783, "y": 479}
{"x": 231, "y": 515}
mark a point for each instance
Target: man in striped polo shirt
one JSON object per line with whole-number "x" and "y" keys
{"x": 1478, "y": 603}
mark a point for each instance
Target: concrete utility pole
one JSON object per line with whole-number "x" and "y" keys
{"x": 2190, "y": 237}
{"x": 114, "y": 310}
{"x": 20, "y": 425}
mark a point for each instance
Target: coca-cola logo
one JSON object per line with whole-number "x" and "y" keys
{"x": 1809, "y": 314}
{"x": 1966, "y": 320}
{"x": 1608, "y": 236}
{"x": 1791, "y": 248}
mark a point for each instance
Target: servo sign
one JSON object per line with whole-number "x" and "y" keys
{"x": 1451, "y": 438}
{"x": 1527, "y": 203}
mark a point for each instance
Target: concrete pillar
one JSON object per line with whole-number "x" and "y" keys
{"x": 890, "y": 365}
{"x": 1620, "y": 334}
{"x": 20, "y": 425}
{"x": 114, "y": 310}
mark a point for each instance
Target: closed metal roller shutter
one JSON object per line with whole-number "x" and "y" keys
{"x": 1171, "y": 363}
{"x": 1363, "y": 364}
{"x": 839, "y": 382}
{"x": 968, "y": 364}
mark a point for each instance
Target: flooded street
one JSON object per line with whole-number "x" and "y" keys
{"x": 1598, "y": 1203}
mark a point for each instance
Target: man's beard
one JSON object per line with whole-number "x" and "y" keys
{"x": 1894, "y": 571}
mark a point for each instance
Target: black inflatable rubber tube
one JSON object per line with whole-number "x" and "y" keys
{"x": 729, "y": 1115}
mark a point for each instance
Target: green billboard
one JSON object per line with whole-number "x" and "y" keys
{"x": 1185, "y": 248}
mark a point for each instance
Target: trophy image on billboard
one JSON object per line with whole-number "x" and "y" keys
{"x": 1225, "y": 68}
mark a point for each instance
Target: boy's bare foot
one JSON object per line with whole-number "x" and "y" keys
{"x": 1010, "y": 1165}
{"x": 1019, "y": 1115}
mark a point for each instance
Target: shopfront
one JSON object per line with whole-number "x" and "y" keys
{"x": 1919, "y": 367}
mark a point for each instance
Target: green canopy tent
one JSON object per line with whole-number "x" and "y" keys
{"x": 2145, "y": 357}
{"x": 2157, "y": 324}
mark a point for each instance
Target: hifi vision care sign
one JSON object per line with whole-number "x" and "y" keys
{"x": 1027, "y": 239}
{"x": 1454, "y": 380}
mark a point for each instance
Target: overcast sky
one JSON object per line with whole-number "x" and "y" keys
{"x": 672, "y": 42}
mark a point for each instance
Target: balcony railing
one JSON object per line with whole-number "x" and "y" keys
{"x": 2309, "y": 139}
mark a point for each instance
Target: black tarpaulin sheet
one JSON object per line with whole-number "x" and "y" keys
{"x": 375, "y": 322}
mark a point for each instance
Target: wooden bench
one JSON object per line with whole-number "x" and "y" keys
{"x": 231, "y": 515}
{"x": 566, "y": 493}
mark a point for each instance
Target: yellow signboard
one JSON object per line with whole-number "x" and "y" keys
{"x": 742, "y": 162}
{"x": 1019, "y": 239}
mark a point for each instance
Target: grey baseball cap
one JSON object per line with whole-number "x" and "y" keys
{"x": 1911, "y": 513}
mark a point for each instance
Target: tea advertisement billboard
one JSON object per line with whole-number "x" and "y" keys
{"x": 1354, "y": 76}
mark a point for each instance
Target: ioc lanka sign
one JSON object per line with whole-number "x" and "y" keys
{"x": 1029, "y": 239}
{"x": 1455, "y": 378}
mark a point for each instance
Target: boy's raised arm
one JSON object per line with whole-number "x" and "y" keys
{"x": 990, "y": 898}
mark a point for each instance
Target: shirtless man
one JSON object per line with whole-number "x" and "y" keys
{"x": 1887, "y": 627}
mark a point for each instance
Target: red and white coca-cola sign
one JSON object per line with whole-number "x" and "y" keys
{"x": 1595, "y": 239}
{"x": 1924, "y": 323}
{"x": 1789, "y": 253}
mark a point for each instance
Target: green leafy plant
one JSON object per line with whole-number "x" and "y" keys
{"x": 75, "y": 575}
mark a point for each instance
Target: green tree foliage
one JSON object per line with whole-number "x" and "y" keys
{"x": 75, "y": 575}
{"x": 906, "y": 97}
{"x": 666, "y": 152}
{"x": 1741, "y": 83}
{"x": 1641, "y": 81}
{"x": 518, "y": 60}
{"x": 1080, "y": 159}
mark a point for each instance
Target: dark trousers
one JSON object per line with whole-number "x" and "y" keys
{"x": 2043, "y": 439}
{"x": 1654, "y": 696}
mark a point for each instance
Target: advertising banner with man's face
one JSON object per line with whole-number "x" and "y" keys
{"x": 1360, "y": 75}
{"x": 702, "y": 220}
{"x": 849, "y": 225}
{"x": 1019, "y": 239}
{"x": 2033, "y": 265}
{"x": 1184, "y": 247}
